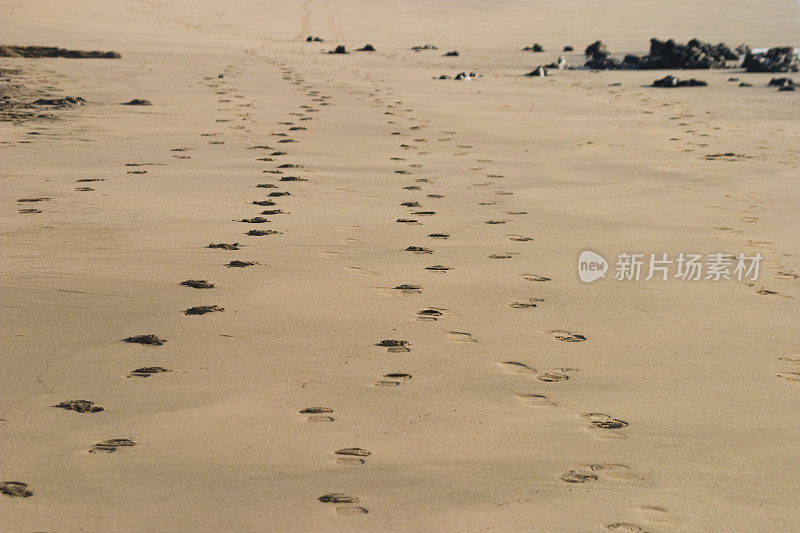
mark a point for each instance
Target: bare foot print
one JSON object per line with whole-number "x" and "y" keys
{"x": 197, "y": 284}
{"x": 203, "y": 309}
{"x": 80, "y": 406}
{"x": 527, "y": 303}
{"x": 460, "y": 337}
{"x": 240, "y": 264}
{"x": 316, "y": 414}
{"x": 335, "y": 497}
{"x": 15, "y": 489}
{"x": 418, "y": 250}
{"x": 111, "y": 445}
{"x": 394, "y": 346}
{"x": 534, "y": 277}
{"x": 430, "y": 314}
{"x": 147, "y": 371}
{"x": 574, "y": 476}
{"x": 356, "y": 452}
{"x": 150, "y": 340}
{"x": 439, "y": 235}
{"x": 535, "y": 399}
{"x": 515, "y": 367}
{"x": 624, "y": 527}
{"x": 566, "y": 336}
{"x": 224, "y": 246}
{"x": 603, "y": 421}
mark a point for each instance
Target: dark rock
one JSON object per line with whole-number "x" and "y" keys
{"x": 568, "y": 48}
{"x": 203, "y": 309}
{"x": 534, "y": 48}
{"x": 424, "y": 47}
{"x": 632, "y": 60}
{"x": 781, "y": 82}
{"x": 366, "y": 48}
{"x": 779, "y": 59}
{"x": 539, "y": 71}
{"x": 745, "y": 84}
{"x": 452, "y": 53}
{"x": 197, "y": 284}
{"x": 67, "y": 101}
{"x": 557, "y": 65}
{"x": 786, "y": 88}
{"x": 672, "y": 81}
{"x": 339, "y": 50}
{"x": 52, "y": 51}
{"x": 595, "y": 48}
{"x": 603, "y": 61}
{"x": 137, "y": 101}
{"x": 695, "y": 54}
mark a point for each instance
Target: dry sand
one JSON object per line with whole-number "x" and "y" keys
{"x": 704, "y": 373}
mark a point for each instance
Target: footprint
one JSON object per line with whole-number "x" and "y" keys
{"x": 111, "y": 445}
{"x": 203, "y": 309}
{"x": 349, "y": 461}
{"x": 438, "y": 268}
{"x": 624, "y": 527}
{"x": 430, "y": 314}
{"x": 352, "y": 510}
{"x": 150, "y": 340}
{"x": 519, "y": 238}
{"x": 439, "y": 235}
{"x": 515, "y": 367}
{"x": 147, "y": 371}
{"x": 534, "y": 277}
{"x": 526, "y": 303}
{"x": 241, "y": 264}
{"x": 80, "y": 406}
{"x": 197, "y": 284}
{"x": 258, "y": 233}
{"x": 535, "y": 400}
{"x": 577, "y": 477}
{"x": 790, "y": 376}
{"x": 551, "y": 377}
{"x": 460, "y": 337}
{"x": 394, "y": 346}
{"x": 506, "y": 255}
{"x": 566, "y": 336}
{"x": 495, "y": 222}
{"x": 418, "y": 250}
{"x": 603, "y": 421}
{"x": 408, "y": 289}
{"x": 335, "y": 497}
{"x": 361, "y": 271}
{"x": 224, "y": 246}
{"x": 397, "y": 375}
{"x": 356, "y": 452}
{"x": 15, "y": 489}
{"x": 386, "y": 383}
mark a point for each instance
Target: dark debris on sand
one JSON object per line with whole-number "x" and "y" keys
{"x": 224, "y": 246}
{"x": 262, "y": 232}
{"x": 672, "y": 81}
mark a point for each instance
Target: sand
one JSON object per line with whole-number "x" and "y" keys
{"x": 676, "y": 413}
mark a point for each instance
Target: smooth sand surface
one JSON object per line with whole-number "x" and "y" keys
{"x": 487, "y": 429}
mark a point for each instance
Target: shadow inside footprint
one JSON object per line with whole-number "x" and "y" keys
{"x": 147, "y": 371}
{"x": 395, "y": 346}
{"x": 335, "y": 497}
{"x": 151, "y": 340}
{"x": 203, "y": 309}
{"x": 460, "y": 337}
{"x": 515, "y": 367}
{"x": 527, "y": 303}
{"x": 240, "y": 264}
{"x": 197, "y": 284}
{"x": 15, "y": 489}
{"x": 111, "y": 445}
{"x": 566, "y": 336}
{"x": 357, "y": 452}
{"x": 80, "y": 406}
{"x": 574, "y": 476}
{"x": 224, "y": 246}
{"x": 603, "y": 421}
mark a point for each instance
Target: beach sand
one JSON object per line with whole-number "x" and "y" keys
{"x": 484, "y": 419}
